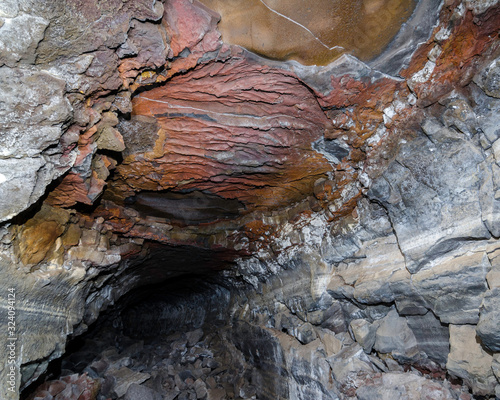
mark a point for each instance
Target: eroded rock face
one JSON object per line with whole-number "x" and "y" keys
{"x": 354, "y": 214}
{"x": 233, "y": 129}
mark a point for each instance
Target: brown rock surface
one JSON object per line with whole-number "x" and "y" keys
{"x": 237, "y": 130}
{"x": 311, "y": 32}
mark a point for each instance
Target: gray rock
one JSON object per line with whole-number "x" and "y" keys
{"x": 124, "y": 377}
{"x": 460, "y": 116}
{"x": 216, "y": 394}
{"x": 438, "y": 286}
{"x": 333, "y": 318}
{"x": 139, "y": 392}
{"x": 394, "y": 336}
{"x": 350, "y": 361}
{"x": 487, "y": 111}
{"x": 170, "y": 394}
{"x": 495, "y": 366}
{"x": 201, "y": 389}
{"x": 32, "y": 115}
{"x": 431, "y": 193}
{"x": 489, "y": 79}
{"x": 331, "y": 344}
{"x": 9, "y": 8}
{"x": 490, "y": 202}
{"x": 432, "y": 336}
{"x": 489, "y": 320}
{"x": 19, "y": 38}
{"x": 438, "y": 133}
{"x": 194, "y": 337}
{"x": 364, "y": 332}
{"x": 305, "y": 333}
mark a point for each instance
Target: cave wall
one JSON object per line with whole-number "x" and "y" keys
{"x": 353, "y": 207}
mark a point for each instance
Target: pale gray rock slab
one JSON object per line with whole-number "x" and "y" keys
{"x": 330, "y": 342}
{"x": 33, "y": 113}
{"x": 34, "y": 107}
{"x": 490, "y": 202}
{"x": 431, "y": 193}
{"x": 393, "y": 385}
{"x": 438, "y": 286}
{"x": 496, "y": 366}
{"x": 349, "y": 362}
{"x": 23, "y": 181}
{"x": 19, "y": 37}
{"x": 487, "y": 110}
{"x": 395, "y": 336}
{"x": 469, "y": 361}
{"x": 380, "y": 266}
{"x": 364, "y": 333}
{"x": 9, "y": 8}
{"x": 124, "y": 378}
{"x": 18, "y": 180}
{"x": 139, "y": 392}
{"x": 459, "y": 116}
{"x": 438, "y": 133}
{"x": 489, "y": 320}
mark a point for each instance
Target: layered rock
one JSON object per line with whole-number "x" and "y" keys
{"x": 354, "y": 213}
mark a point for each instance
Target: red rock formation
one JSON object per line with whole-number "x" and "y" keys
{"x": 236, "y": 129}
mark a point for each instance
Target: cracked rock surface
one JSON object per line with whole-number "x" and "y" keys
{"x": 212, "y": 224}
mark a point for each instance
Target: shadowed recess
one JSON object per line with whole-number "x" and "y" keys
{"x": 311, "y": 32}
{"x": 189, "y": 208}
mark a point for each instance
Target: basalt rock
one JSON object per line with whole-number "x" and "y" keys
{"x": 295, "y": 231}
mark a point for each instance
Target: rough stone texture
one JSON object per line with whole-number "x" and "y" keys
{"x": 248, "y": 127}
{"x": 394, "y": 336}
{"x": 437, "y": 286}
{"x": 468, "y": 360}
{"x": 328, "y": 195}
{"x": 487, "y": 327}
{"x": 432, "y": 198}
{"x": 403, "y": 386}
{"x": 137, "y": 392}
{"x": 432, "y": 336}
{"x": 34, "y": 111}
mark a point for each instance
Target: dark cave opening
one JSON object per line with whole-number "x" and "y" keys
{"x": 166, "y": 338}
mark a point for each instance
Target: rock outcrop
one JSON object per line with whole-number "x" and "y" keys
{"x": 335, "y": 228}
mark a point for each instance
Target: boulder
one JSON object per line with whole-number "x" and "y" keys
{"x": 489, "y": 320}
{"x": 394, "y": 336}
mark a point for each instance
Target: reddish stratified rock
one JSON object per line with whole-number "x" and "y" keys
{"x": 459, "y": 44}
{"x": 235, "y": 129}
{"x": 239, "y": 130}
{"x": 190, "y": 24}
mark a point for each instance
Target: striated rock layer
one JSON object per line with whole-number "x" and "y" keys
{"x": 345, "y": 217}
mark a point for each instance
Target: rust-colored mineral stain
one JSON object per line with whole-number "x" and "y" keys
{"x": 311, "y": 32}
